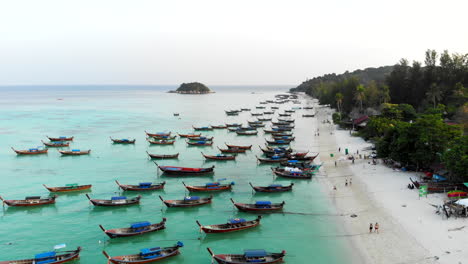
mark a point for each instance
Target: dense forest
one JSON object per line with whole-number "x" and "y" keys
{"x": 193, "y": 88}
{"x": 418, "y": 112}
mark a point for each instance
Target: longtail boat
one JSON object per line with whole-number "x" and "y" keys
{"x": 301, "y": 157}
{"x": 60, "y": 138}
{"x": 188, "y": 135}
{"x": 239, "y": 147}
{"x": 254, "y": 122}
{"x": 200, "y": 143}
{"x": 260, "y": 107}
{"x": 294, "y": 174}
{"x": 185, "y": 170}
{"x": 234, "y": 129}
{"x": 245, "y": 109}
{"x": 209, "y": 187}
{"x": 278, "y": 142}
{"x": 256, "y": 114}
{"x": 233, "y": 125}
{"x": 232, "y": 113}
{"x": 273, "y": 151}
{"x": 163, "y": 156}
{"x": 264, "y": 119}
{"x": 269, "y": 112}
{"x": 282, "y": 134}
{"x": 142, "y": 186}
{"x": 272, "y": 188}
{"x": 207, "y": 128}
{"x": 219, "y": 126}
{"x": 161, "y": 142}
{"x": 123, "y": 141}
{"x": 284, "y": 114}
{"x": 201, "y": 138}
{"x": 74, "y": 152}
{"x": 286, "y": 120}
{"x": 284, "y": 138}
{"x": 233, "y": 224}
{"x": 289, "y": 111}
{"x": 146, "y": 255}
{"x": 51, "y": 257}
{"x": 299, "y": 164}
{"x": 56, "y": 144}
{"x": 167, "y": 134}
{"x": 232, "y": 150}
{"x": 257, "y": 125}
{"x": 247, "y": 133}
{"x": 30, "y": 201}
{"x": 135, "y": 229}
{"x": 273, "y": 159}
{"x": 31, "y": 151}
{"x": 72, "y": 187}
{"x": 259, "y": 206}
{"x": 308, "y": 107}
{"x": 188, "y": 201}
{"x": 164, "y": 137}
{"x": 280, "y": 123}
{"x": 115, "y": 201}
{"x": 219, "y": 157}
{"x": 249, "y": 256}
{"x": 308, "y": 115}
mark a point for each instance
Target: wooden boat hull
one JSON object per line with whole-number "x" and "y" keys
{"x": 292, "y": 175}
{"x": 252, "y": 208}
{"x": 208, "y": 143}
{"x": 240, "y": 133}
{"x": 74, "y": 153}
{"x": 29, "y": 203}
{"x": 27, "y": 152}
{"x": 223, "y": 187}
{"x": 239, "y": 147}
{"x": 51, "y": 145}
{"x": 127, "y": 187}
{"x": 188, "y": 135}
{"x": 62, "y": 258}
{"x": 69, "y": 189}
{"x": 262, "y": 160}
{"x": 218, "y": 158}
{"x": 232, "y": 150}
{"x": 184, "y": 203}
{"x": 161, "y": 143}
{"x": 240, "y": 258}
{"x": 136, "y": 259}
{"x": 110, "y": 203}
{"x": 60, "y": 139}
{"x": 202, "y": 128}
{"x": 227, "y": 228}
{"x": 185, "y": 171}
{"x": 120, "y": 141}
{"x": 117, "y": 232}
{"x": 270, "y": 189}
{"x": 158, "y": 134}
{"x": 157, "y": 156}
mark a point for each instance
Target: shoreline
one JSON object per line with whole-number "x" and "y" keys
{"x": 379, "y": 194}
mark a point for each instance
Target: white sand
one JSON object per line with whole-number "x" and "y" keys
{"x": 410, "y": 231}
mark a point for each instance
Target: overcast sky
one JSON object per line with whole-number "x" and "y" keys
{"x": 217, "y": 41}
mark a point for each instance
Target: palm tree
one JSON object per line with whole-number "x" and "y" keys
{"x": 360, "y": 95}
{"x": 434, "y": 94}
{"x": 339, "y": 101}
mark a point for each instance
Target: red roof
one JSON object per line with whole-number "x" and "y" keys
{"x": 360, "y": 120}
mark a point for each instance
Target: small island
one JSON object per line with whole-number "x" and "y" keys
{"x": 192, "y": 88}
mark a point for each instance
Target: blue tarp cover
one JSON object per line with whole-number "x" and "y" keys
{"x": 147, "y": 251}
{"x": 45, "y": 255}
{"x": 33, "y": 149}
{"x": 173, "y": 169}
{"x": 212, "y": 184}
{"x": 293, "y": 161}
{"x": 262, "y": 203}
{"x": 140, "y": 224}
{"x": 201, "y": 142}
{"x": 119, "y": 198}
{"x": 192, "y": 198}
{"x": 62, "y": 137}
{"x": 145, "y": 183}
{"x": 75, "y": 150}
{"x": 255, "y": 253}
{"x": 236, "y": 220}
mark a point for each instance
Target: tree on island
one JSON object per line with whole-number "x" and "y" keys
{"x": 193, "y": 88}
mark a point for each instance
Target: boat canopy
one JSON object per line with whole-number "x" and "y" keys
{"x": 275, "y": 185}
{"x": 255, "y": 253}
{"x": 145, "y": 184}
{"x": 262, "y": 203}
{"x": 140, "y": 224}
{"x": 191, "y": 198}
{"x": 236, "y": 220}
{"x": 119, "y": 198}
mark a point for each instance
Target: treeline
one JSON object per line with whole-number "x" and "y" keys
{"x": 413, "y": 102}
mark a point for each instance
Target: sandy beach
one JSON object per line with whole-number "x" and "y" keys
{"x": 410, "y": 230}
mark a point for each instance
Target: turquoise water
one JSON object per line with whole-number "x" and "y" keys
{"x": 28, "y": 114}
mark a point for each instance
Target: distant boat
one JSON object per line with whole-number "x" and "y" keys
{"x": 146, "y": 255}
{"x": 135, "y": 229}
{"x": 249, "y": 256}
{"x": 51, "y": 257}
{"x": 234, "y": 224}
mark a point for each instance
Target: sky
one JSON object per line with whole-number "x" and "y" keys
{"x": 217, "y": 42}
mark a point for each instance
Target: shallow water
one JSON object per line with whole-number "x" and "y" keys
{"x": 307, "y": 229}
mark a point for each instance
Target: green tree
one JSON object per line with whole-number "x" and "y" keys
{"x": 434, "y": 94}
{"x": 360, "y": 95}
{"x": 455, "y": 158}
{"x": 339, "y": 101}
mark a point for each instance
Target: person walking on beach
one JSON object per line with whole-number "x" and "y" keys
{"x": 370, "y": 228}
{"x": 376, "y": 227}
{"x": 346, "y": 182}
{"x": 339, "y": 149}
